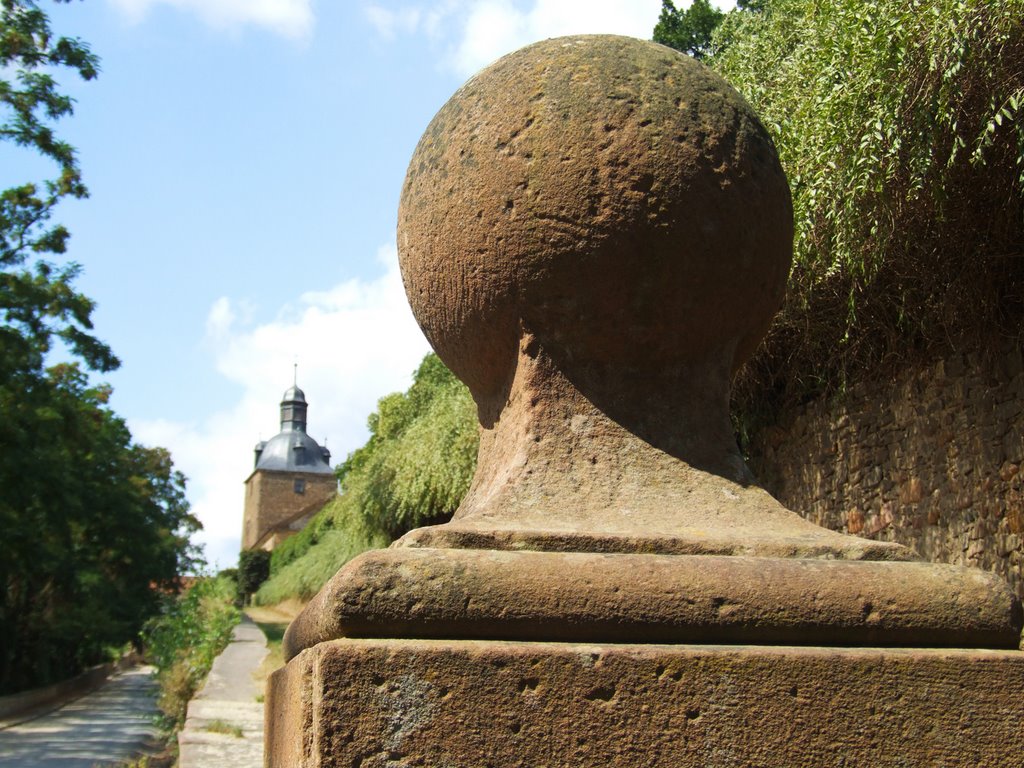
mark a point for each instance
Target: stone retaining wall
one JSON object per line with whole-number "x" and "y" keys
{"x": 17, "y": 706}
{"x": 930, "y": 458}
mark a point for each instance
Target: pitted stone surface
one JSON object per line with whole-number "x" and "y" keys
{"x": 590, "y": 597}
{"x": 392, "y": 703}
{"x": 594, "y": 233}
{"x": 612, "y": 197}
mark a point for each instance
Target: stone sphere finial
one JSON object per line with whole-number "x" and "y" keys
{"x": 611, "y": 196}
{"x": 594, "y": 233}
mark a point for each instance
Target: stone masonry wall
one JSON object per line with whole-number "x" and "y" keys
{"x": 271, "y": 503}
{"x": 930, "y": 459}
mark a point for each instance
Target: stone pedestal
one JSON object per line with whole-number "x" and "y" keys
{"x": 594, "y": 234}
{"x": 470, "y": 704}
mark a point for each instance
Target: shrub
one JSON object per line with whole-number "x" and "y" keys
{"x": 186, "y": 637}
{"x": 303, "y": 577}
{"x": 253, "y": 570}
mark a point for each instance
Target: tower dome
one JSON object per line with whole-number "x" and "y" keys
{"x": 291, "y": 449}
{"x": 291, "y": 479}
{"x": 293, "y": 393}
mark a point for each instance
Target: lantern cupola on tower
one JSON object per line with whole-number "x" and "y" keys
{"x": 293, "y": 410}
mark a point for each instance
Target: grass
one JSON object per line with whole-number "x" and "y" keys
{"x": 165, "y": 759}
{"x": 303, "y": 577}
{"x": 273, "y": 621}
{"x": 273, "y": 630}
{"x": 220, "y": 726}
{"x": 275, "y": 659}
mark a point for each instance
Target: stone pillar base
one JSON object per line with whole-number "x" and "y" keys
{"x": 471, "y": 704}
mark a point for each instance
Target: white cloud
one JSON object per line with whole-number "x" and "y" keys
{"x": 495, "y": 27}
{"x": 474, "y": 33}
{"x": 492, "y": 28}
{"x": 289, "y": 18}
{"x": 354, "y": 343}
{"x": 388, "y": 23}
{"x": 220, "y": 318}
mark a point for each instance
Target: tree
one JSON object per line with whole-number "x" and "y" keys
{"x": 688, "y": 30}
{"x": 253, "y": 570}
{"x": 37, "y": 298}
{"x": 417, "y": 464}
{"x": 95, "y": 529}
{"x": 692, "y": 30}
{"x": 95, "y": 526}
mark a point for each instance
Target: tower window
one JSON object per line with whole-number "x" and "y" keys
{"x": 300, "y": 485}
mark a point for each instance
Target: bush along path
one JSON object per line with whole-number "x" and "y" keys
{"x": 184, "y": 641}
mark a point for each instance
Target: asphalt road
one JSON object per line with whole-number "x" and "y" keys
{"x": 106, "y": 727}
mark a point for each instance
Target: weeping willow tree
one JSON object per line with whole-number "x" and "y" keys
{"x": 900, "y": 124}
{"x": 413, "y": 471}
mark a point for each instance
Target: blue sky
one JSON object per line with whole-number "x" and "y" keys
{"x": 245, "y": 159}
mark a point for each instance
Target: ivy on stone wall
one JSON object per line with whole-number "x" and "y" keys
{"x": 901, "y": 128}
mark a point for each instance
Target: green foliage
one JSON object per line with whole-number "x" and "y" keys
{"x": 688, "y": 29}
{"x": 414, "y": 470}
{"x": 302, "y": 576}
{"x": 253, "y": 570}
{"x": 182, "y": 642}
{"x": 224, "y": 727}
{"x": 95, "y": 526}
{"x": 877, "y": 106}
{"x": 899, "y": 124}
{"x": 326, "y": 520}
{"x": 419, "y": 460}
{"x": 37, "y": 299}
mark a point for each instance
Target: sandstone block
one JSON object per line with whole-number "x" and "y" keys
{"x": 469, "y": 704}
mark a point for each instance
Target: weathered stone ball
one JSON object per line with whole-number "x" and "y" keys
{"x": 611, "y": 197}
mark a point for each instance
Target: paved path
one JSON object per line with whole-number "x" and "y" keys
{"x": 224, "y": 728}
{"x": 105, "y": 727}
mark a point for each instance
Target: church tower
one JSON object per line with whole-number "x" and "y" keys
{"x": 291, "y": 480}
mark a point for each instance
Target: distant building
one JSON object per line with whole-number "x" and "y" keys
{"x": 292, "y": 479}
